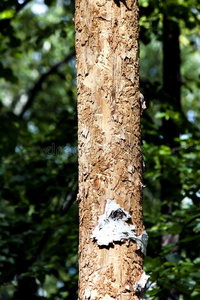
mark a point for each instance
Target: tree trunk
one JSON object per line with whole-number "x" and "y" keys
{"x": 170, "y": 130}
{"x": 171, "y": 77}
{"x": 172, "y": 92}
{"x": 109, "y": 147}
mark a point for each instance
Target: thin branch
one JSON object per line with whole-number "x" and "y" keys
{"x": 35, "y": 89}
{"x": 67, "y": 204}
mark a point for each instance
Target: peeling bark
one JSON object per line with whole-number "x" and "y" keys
{"x": 110, "y": 158}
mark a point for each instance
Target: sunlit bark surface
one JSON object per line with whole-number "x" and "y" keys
{"x": 109, "y": 147}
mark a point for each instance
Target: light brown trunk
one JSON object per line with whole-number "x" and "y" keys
{"x": 110, "y": 158}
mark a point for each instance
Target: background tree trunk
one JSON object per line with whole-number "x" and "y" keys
{"x": 170, "y": 188}
{"x": 110, "y": 158}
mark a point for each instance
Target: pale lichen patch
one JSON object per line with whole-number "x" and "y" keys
{"x": 113, "y": 227}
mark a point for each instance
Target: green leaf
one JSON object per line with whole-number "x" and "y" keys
{"x": 175, "y": 229}
{"x": 172, "y": 258}
{"x": 152, "y": 292}
{"x": 7, "y": 14}
{"x": 160, "y": 115}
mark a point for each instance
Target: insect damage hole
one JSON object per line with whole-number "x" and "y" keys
{"x": 117, "y": 214}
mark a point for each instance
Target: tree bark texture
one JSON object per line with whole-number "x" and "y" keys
{"x": 109, "y": 143}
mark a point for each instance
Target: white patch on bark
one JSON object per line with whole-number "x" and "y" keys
{"x": 87, "y": 294}
{"x": 140, "y": 285}
{"x": 93, "y": 294}
{"x": 85, "y": 132}
{"x": 113, "y": 227}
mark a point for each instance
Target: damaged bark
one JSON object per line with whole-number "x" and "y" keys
{"x": 109, "y": 147}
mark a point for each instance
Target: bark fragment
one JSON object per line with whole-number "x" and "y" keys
{"x": 142, "y": 103}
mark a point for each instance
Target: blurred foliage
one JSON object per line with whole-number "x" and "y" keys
{"x": 38, "y": 173}
{"x": 38, "y": 133}
{"x": 173, "y": 265}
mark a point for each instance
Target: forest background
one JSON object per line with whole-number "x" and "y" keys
{"x": 38, "y": 148}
